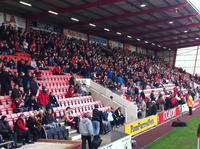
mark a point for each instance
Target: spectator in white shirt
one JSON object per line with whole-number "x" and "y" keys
{"x": 33, "y": 63}
{"x": 110, "y": 117}
{"x": 83, "y": 89}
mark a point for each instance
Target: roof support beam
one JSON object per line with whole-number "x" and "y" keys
{"x": 172, "y": 35}
{"x": 129, "y": 14}
{"x": 186, "y": 44}
{"x": 167, "y": 29}
{"x": 180, "y": 39}
{"x": 76, "y": 8}
{"x": 148, "y": 23}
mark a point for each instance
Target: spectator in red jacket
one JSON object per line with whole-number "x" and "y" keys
{"x": 38, "y": 74}
{"x": 70, "y": 92}
{"x": 58, "y": 71}
{"x": 21, "y": 129}
{"x": 43, "y": 98}
{"x": 175, "y": 91}
{"x": 173, "y": 101}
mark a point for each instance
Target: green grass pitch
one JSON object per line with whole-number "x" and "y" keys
{"x": 179, "y": 138}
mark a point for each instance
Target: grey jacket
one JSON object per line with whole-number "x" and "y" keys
{"x": 86, "y": 127}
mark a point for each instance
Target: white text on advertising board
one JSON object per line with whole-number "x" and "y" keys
{"x": 169, "y": 114}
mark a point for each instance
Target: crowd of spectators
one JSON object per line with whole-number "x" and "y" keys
{"x": 114, "y": 68}
{"x": 165, "y": 100}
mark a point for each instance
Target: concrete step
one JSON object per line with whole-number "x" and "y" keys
{"x": 62, "y": 123}
{"x": 68, "y": 127}
{"x": 75, "y": 136}
{"x": 71, "y": 131}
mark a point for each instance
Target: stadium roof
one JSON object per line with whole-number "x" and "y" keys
{"x": 154, "y": 24}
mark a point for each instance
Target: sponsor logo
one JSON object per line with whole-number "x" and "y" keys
{"x": 196, "y": 103}
{"x": 171, "y": 113}
{"x": 141, "y": 125}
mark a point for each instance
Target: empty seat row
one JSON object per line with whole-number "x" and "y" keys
{"x": 54, "y": 84}
{"x": 15, "y": 57}
{"x": 57, "y": 77}
{"x": 23, "y": 54}
{"x": 77, "y": 111}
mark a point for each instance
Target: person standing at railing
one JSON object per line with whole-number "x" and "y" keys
{"x": 190, "y": 103}
{"x": 143, "y": 108}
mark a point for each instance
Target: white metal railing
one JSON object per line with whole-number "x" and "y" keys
{"x": 127, "y": 105}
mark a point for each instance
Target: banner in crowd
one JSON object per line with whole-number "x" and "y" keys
{"x": 44, "y": 27}
{"x": 168, "y": 114}
{"x": 141, "y": 125}
{"x": 115, "y": 44}
{"x": 12, "y": 20}
{"x": 184, "y": 108}
{"x": 123, "y": 143}
{"x": 196, "y": 103}
{"x": 75, "y": 34}
{"x": 94, "y": 39}
{"x": 129, "y": 47}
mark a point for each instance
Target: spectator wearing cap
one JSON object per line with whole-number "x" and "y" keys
{"x": 153, "y": 108}
{"x": 43, "y": 98}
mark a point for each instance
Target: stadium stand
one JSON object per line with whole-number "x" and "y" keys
{"x": 135, "y": 77}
